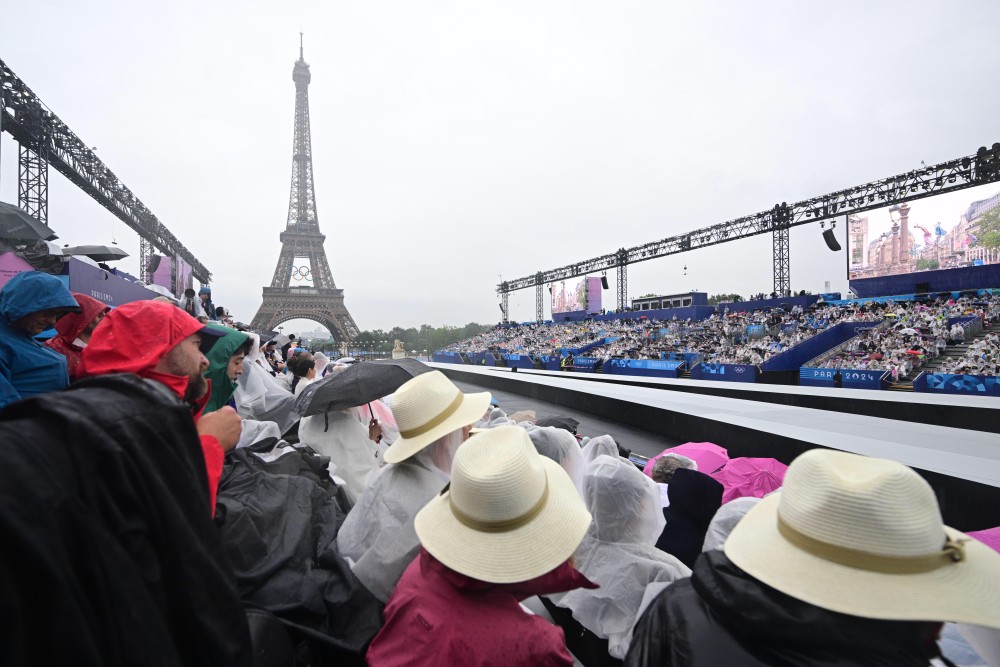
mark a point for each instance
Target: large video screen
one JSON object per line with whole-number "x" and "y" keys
{"x": 569, "y": 296}
{"x": 574, "y": 296}
{"x": 943, "y": 232}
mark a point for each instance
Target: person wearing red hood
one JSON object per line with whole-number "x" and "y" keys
{"x": 75, "y": 330}
{"x": 161, "y": 342}
{"x": 503, "y": 530}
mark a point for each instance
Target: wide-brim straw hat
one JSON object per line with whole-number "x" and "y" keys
{"x": 864, "y": 536}
{"x": 509, "y": 514}
{"x": 428, "y": 407}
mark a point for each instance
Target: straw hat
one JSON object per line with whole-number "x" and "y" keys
{"x": 427, "y": 407}
{"x": 509, "y": 514}
{"x": 864, "y": 536}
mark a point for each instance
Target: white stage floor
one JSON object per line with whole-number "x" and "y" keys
{"x": 963, "y": 453}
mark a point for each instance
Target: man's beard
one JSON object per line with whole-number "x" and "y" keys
{"x": 196, "y": 388}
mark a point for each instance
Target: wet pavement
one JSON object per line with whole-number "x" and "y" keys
{"x": 639, "y": 441}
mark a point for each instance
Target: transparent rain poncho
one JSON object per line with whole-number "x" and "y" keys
{"x": 254, "y": 431}
{"x": 342, "y": 437}
{"x": 378, "y": 535}
{"x": 725, "y": 520}
{"x": 560, "y": 446}
{"x": 495, "y": 417}
{"x": 602, "y": 445}
{"x": 259, "y": 395}
{"x": 618, "y": 552}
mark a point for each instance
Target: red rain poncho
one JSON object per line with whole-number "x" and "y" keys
{"x": 132, "y": 339}
{"x": 71, "y": 326}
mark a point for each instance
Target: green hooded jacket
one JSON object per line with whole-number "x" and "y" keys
{"x": 218, "y": 361}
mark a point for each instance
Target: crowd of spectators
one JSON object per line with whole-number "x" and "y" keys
{"x": 150, "y": 513}
{"x": 913, "y": 334}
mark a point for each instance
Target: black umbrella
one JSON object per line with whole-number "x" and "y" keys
{"x": 356, "y": 385}
{"x": 98, "y": 253}
{"x": 17, "y": 224}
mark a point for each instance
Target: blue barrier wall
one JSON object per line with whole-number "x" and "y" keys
{"x": 852, "y": 379}
{"x": 644, "y": 367}
{"x": 447, "y": 357}
{"x": 690, "y": 312}
{"x": 482, "y": 359}
{"x": 710, "y": 370}
{"x": 551, "y": 362}
{"x": 740, "y": 306}
{"x": 946, "y": 383}
{"x": 942, "y": 280}
{"x": 797, "y": 355}
{"x": 584, "y": 364}
{"x": 518, "y": 361}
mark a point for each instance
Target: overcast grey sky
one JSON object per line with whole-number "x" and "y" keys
{"x": 456, "y": 141}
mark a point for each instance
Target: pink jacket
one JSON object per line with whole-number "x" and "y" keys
{"x": 437, "y": 616}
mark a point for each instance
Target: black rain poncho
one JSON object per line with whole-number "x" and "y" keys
{"x": 279, "y": 521}
{"x": 108, "y": 555}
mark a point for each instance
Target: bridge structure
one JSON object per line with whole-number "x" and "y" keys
{"x": 43, "y": 140}
{"x": 963, "y": 172}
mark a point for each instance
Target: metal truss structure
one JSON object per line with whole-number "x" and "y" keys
{"x": 45, "y": 139}
{"x": 321, "y": 302}
{"x": 957, "y": 174}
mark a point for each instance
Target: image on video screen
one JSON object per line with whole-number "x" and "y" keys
{"x": 957, "y": 229}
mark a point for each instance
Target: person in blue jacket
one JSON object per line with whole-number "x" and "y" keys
{"x": 30, "y": 303}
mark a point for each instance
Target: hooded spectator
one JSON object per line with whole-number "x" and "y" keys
{"x": 503, "y": 531}
{"x": 849, "y": 564}
{"x": 602, "y": 445}
{"x": 225, "y": 365}
{"x": 560, "y": 446}
{"x": 725, "y": 521}
{"x": 207, "y": 307}
{"x": 618, "y": 552}
{"x": 694, "y": 499}
{"x": 75, "y": 330}
{"x": 434, "y": 418}
{"x": 260, "y": 396}
{"x": 30, "y": 303}
{"x": 160, "y": 342}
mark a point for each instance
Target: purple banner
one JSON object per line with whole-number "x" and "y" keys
{"x": 104, "y": 286}
{"x": 10, "y": 266}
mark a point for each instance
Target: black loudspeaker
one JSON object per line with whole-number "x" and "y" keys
{"x": 923, "y": 288}
{"x": 604, "y": 282}
{"x": 154, "y": 263}
{"x": 830, "y": 236}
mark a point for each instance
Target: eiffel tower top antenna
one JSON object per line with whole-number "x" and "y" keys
{"x": 301, "y": 57}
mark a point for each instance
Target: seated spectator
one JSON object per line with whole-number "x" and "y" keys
{"x": 225, "y": 365}
{"x": 30, "y": 303}
{"x": 503, "y": 531}
{"x": 207, "y": 307}
{"x": 166, "y": 345}
{"x": 434, "y": 419}
{"x": 75, "y": 330}
{"x": 305, "y": 373}
{"x": 694, "y": 499}
{"x": 602, "y": 445}
{"x": 664, "y": 469}
{"x": 849, "y": 564}
{"x": 109, "y": 556}
{"x": 618, "y": 552}
{"x": 725, "y": 520}
{"x": 561, "y": 446}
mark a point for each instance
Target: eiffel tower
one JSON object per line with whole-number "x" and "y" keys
{"x": 321, "y": 302}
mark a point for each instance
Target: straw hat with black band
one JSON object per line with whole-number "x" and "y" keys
{"x": 428, "y": 407}
{"x": 509, "y": 514}
{"x": 864, "y": 536}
